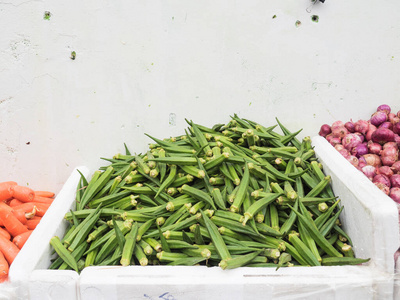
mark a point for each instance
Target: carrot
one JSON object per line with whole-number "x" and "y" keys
{"x": 42, "y": 199}
{"x": 41, "y": 208}
{"x": 4, "y": 267}
{"x": 46, "y": 194}
{"x": 23, "y": 193}
{"x": 20, "y": 215}
{"x": 5, "y": 233}
{"x": 11, "y": 223}
{"x": 5, "y": 206}
{"x": 15, "y": 202}
{"x": 6, "y": 190}
{"x": 9, "y": 249}
{"x": 32, "y": 223}
{"x": 21, "y": 239}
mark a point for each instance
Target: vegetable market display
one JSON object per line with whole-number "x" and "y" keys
{"x": 21, "y": 210}
{"x": 372, "y": 146}
{"x": 237, "y": 194}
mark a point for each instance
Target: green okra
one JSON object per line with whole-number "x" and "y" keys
{"x": 140, "y": 255}
{"x": 319, "y": 187}
{"x": 187, "y": 261}
{"x": 129, "y": 245}
{"x": 242, "y": 190}
{"x": 165, "y": 256}
{"x": 216, "y": 238}
{"x": 83, "y": 231}
{"x": 63, "y": 253}
{"x": 198, "y": 194}
{"x": 342, "y": 261}
{"x": 258, "y": 205}
{"x": 317, "y": 236}
{"x": 240, "y": 261}
{"x": 303, "y": 250}
{"x": 95, "y": 186}
{"x": 86, "y": 225}
{"x": 330, "y": 223}
{"x": 218, "y": 199}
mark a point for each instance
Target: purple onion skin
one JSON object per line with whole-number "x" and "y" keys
{"x": 353, "y": 160}
{"x": 374, "y": 148}
{"x": 335, "y": 140}
{"x": 390, "y": 145}
{"x": 384, "y": 107}
{"x": 389, "y": 156}
{"x": 378, "y": 118}
{"x": 325, "y": 130}
{"x": 345, "y": 153}
{"x": 394, "y": 193}
{"x": 339, "y": 132}
{"x": 350, "y": 126}
{"x": 382, "y": 136}
{"x": 361, "y": 126}
{"x": 396, "y": 167}
{"x": 387, "y": 125}
{"x": 396, "y": 128}
{"x": 395, "y": 180}
{"x": 391, "y": 116}
{"x": 360, "y": 150}
{"x": 362, "y": 162}
{"x": 361, "y": 136}
{"x": 385, "y": 170}
{"x": 383, "y": 187}
{"x": 379, "y": 178}
{"x": 397, "y": 140}
{"x": 369, "y": 171}
{"x": 351, "y": 140}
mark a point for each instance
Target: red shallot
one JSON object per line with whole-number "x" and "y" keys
{"x": 395, "y": 194}
{"x": 361, "y": 126}
{"x": 369, "y": 171}
{"x": 382, "y": 135}
{"x": 379, "y": 178}
{"x": 372, "y": 160}
{"x": 378, "y": 118}
{"x": 325, "y": 130}
{"x": 384, "y": 107}
{"x": 389, "y": 156}
{"x": 395, "y": 180}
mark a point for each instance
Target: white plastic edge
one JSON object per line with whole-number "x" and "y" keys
{"x": 384, "y": 214}
{"x": 36, "y": 252}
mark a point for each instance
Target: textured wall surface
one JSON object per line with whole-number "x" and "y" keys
{"x": 145, "y": 66}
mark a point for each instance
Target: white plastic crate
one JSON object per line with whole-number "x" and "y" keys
{"x": 369, "y": 217}
{"x": 29, "y": 275}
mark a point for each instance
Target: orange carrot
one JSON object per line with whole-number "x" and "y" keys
{"x": 5, "y": 206}
{"x": 42, "y": 199}
{"x": 5, "y": 233}
{"x": 15, "y": 202}
{"x": 21, "y": 239}
{"x": 6, "y": 190}
{"x": 11, "y": 223}
{"x": 9, "y": 249}
{"x": 46, "y": 194}
{"x": 41, "y": 208}
{"x": 20, "y": 215}
{"x": 4, "y": 267}
{"x": 32, "y": 223}
{"x": 23, "y": 193}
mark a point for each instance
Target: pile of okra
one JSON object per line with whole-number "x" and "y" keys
{"x": 237, "y": 194}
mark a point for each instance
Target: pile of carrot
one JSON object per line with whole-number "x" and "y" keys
{"x": 21, "y": 209}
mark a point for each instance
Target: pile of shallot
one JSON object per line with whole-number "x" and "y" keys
{"x": 372, "y": 146}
